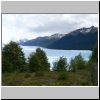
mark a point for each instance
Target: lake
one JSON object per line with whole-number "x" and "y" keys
{"x": 54, "y": 55}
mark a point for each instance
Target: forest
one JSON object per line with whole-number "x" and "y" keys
{"x": 35, "y": 71}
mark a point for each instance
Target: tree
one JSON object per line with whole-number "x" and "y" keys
{"x": 93, "y": 66}
{"x": 93, "y": 73}
{"x": 54, "y": 66}
{"x": 77, "y": 63}
{"x": 94, "y": 56}
{"x": 60, "y": 65}
{"x": 73, "y": 65}
{"x": 80, "y": 62}
{"x": 38, "y": 61}
{"x": 6, "y": 65}
{"x": 12, "y": 58}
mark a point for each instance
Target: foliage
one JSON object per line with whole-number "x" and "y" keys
{"x": 54, "y": 66}
{"x": 60, "y": 65}
{"x": 78, "y": 63}
{"x": 93, "y": 72}
{"x": 27, "y": 75}
{"x": 94, "y": 56}
{"x": 93, "y": 66}
{"x": 73, "y": 65}
{"x": 49, "y": 79}
{"x": 38, "y": 61}
{"x": 6, "y": 66}
{"x": 62, "y": 76}
{"x": 12, "y": 58}
{"x": 39, "y": 74}
{"x": 14, "y": 66}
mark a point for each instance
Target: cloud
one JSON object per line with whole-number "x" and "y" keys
{"x": 55, "y": 27}
{"x": 20, "y": 26}
{"x": 67, "y": 24}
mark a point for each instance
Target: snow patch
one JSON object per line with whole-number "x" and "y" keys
{"x": 85, "y": 30}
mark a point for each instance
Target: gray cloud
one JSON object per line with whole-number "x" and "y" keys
{"x": 67, "y": 24}
{"x": 19, "y": 26}
{"x": 55, "y": 27}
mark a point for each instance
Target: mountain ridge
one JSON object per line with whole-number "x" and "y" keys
{"x": 79, "y": 39}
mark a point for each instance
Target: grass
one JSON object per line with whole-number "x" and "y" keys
{"x": 79, "y": 78}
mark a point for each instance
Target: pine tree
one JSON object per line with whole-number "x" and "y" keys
{"x": 77, "y": 63}
{"x": 81, "y": 64}
{"x": 93, "y": 66}
{"x": 93, "y": 73}
{"x": 73, "y": 65}
{"x": 38, "y": 61}
{"x": 12, "y": 58}
{"x": 61, "y": 65}
{"x": 94, "y": 56}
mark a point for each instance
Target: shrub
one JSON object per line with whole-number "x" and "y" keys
{"x": 39, "y": 74}
{"x": 93, "y": 73}
{"x": 27, "y": 75}
{"x": 62, "y": 76}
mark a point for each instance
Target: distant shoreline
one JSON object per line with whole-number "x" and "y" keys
{"x": 52, "y": 49}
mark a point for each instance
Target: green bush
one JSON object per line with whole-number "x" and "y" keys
{"x": 39, "y": 74}
{"x": 93, "y": 66}
{"x": 62, "y": 76}
{"x": 93, "y": 73}
{"x": 27, "y": 75}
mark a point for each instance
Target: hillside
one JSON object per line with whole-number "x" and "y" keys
{"x": 80, "y": 39}
{"x": 42, "y": 41}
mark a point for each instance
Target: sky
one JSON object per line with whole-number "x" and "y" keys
{"x": 17, "y": 27}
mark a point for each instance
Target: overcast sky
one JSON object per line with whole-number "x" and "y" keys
{"x": 29, "y": 26}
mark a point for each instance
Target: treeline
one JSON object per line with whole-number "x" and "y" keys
{"x": 13, "y": 60}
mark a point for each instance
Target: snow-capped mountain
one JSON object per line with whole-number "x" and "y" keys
{"x": 80, "y": 39}
{"x": 42, "y": 41}
{"x": 56, "y": 36}
{"x": 84, "y": 30}
{"x": 87, "y": 30}
{"x": 22, "y": 41}
{"x": 83, "y": 39}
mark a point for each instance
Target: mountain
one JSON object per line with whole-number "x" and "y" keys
{"x": 56, "y": 36}
{"x": 43, "y": 41}
{"x": 22, "y": 41}
{"x": 80, "y": 39}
